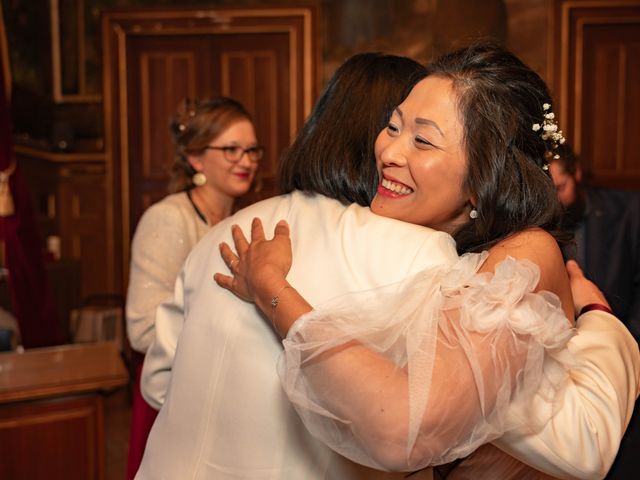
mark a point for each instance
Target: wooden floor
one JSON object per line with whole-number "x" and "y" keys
{"x": 117, "y": 414}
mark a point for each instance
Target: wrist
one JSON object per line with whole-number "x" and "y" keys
{"x": 595, "y": 306}
{"x": 268, "y": 286}
{"x": 275, "y": 302}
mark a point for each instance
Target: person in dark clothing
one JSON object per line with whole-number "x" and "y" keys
{"x": 606, "y": 225}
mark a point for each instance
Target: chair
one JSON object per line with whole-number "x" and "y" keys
{"x": 101, "y": 318}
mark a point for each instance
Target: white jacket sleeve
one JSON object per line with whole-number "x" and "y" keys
{"x": 598, "y": 402}
{"x": 158, "y": 362}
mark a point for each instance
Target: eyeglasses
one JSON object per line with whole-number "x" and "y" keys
{"x": 234, "y": 153}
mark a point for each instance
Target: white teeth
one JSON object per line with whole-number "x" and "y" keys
{"x": 396, "y": 187}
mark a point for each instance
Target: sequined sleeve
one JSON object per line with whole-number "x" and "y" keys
{"x": 161, "y": 243}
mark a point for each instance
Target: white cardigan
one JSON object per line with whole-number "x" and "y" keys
{"x": 166, "y": 233}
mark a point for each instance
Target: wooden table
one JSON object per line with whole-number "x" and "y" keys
{"x": 51, "y": 410}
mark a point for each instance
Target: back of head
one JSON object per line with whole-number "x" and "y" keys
{"x": 334, "y": 152}
{"x": 500, "y": 101}
{"x": 195, "y": 124}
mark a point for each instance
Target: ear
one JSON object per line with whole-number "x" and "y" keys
{"x": 578, "y": 175}
{"x": 473, "y": 201}
{"x": 195, "y": 162}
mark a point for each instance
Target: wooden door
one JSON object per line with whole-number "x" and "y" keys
{"x": 594, "y": 52}
{"x": 265, "y": 58}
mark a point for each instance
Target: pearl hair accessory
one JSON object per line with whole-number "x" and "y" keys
{"x": 199, "y": 179}
{"x": 182, "y": 126}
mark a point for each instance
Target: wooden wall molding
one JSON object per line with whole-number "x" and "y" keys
{"x": 234, "y": 64}
{"x": 594, "y": 55}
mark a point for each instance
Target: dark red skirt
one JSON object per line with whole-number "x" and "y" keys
{"x": 142, "y": 418}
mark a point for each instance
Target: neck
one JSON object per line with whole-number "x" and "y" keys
{"x": 214, "y": 205}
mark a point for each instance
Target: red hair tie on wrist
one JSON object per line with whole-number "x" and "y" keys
{"x": 595, "y": 306}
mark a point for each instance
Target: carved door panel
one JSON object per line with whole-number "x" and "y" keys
{"x": 595, "y": 72}
{"x": 265, "y": 58}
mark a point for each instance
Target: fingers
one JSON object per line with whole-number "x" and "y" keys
{"x": 282, "y": 228}
{"x": 225, "y": 281}
{"x": 257, "y": 231}
{"x": 228, "y": 255}
{"x": 574, "y": 269}
{"x": 240, "y": 241}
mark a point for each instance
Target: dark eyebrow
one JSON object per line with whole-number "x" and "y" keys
{"x": 423, "y": 121}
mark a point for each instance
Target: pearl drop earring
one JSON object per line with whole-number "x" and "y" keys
{"x": 199, "y": 179}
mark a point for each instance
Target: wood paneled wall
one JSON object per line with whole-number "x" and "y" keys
{"x": 264, "y": 57}
{"x": 594, "y": 66}
{"x": 587, "y": 50}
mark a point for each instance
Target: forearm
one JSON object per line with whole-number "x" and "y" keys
{"x": 157, "y": 254}
{"x": 281, "y": 303}
{"x": 146, "y": 291}
{"x": 414, "y": 403}
{"x": 582, "y": 438}
{"x": 357, "y": 384}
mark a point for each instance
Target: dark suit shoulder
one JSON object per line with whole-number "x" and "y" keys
{"x": 613, "y": 202}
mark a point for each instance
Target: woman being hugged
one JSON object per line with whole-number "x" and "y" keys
{"x": 425, "y": 371}
{"x": 216, "y": 158}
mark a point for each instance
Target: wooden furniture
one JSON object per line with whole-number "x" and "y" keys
{"x": 64, "y": 278}
{"x": 594, "y": 70}
{"x": 51, "y": 410}
{"x": 65, "y": 281}
{"x": 68, "y": 194}
{"x": 266, "y": 57}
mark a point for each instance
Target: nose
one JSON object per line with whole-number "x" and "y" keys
{"x": 393, "y": 154}
{"x": 245, "y": 161}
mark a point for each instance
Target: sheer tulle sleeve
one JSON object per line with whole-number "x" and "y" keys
{"x": 423, "y": 372}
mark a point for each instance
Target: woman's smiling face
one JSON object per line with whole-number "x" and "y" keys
{"x": 421, "y": 161}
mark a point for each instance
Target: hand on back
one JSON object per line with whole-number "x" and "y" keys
{"x": 584, "y": 291}
{"x": 258, "y": 265}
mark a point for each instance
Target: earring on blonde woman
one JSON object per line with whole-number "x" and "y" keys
{"x": 199, "y": 179}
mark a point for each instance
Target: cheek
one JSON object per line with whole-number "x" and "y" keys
{"x": 440, "y": 180}
{"x": 379, "y": 147}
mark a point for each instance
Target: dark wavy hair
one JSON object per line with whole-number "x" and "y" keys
{"x": 333, "y": 153}
{"x": 193, "y": 126}
{"x": 499, "y": 98}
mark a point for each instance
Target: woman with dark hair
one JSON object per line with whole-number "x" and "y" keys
{"x": 424, "y": 371}
{"x": 216, "y": 158}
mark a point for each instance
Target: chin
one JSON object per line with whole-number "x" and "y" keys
{"x": 383, "y": 212}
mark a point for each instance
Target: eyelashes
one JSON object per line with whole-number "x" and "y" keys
{"x": 423, "y": 142}
{"x": 420, "y": 142}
